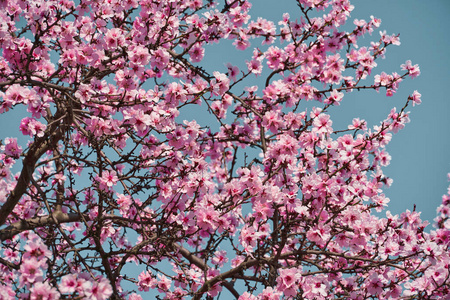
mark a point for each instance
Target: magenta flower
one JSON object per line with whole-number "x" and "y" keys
{"x": 11, "y": 148}
{"x": 109, "y": 178}
{"x": 99, "y": 290}
{"x": 289, "y": 277}
{"x": 31, "y": 127}
{"x": 68, "y": 284}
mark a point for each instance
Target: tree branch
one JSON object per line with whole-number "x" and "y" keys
{"x": 9, "y": 264}
{"x": 36, "y": 222}
{"x": 37, "y": 149}
{"x": 202, "y": 265}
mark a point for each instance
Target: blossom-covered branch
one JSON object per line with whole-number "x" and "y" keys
{"x": 209, "y": 182}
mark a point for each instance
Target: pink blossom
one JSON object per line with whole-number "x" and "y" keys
{"x": 375, "y": 285}
{"x": 242, "y": 42}
{"x": 322, "y": 124}
{"x": 36, "y": 248}
{"x": 207, "y": 218}
{"x": 254, "y": 66}
{"x": 146, "y": 281}
{"x": 175, "y": 93}
{"x": 14, "y": 95}
{"x": 375, "y": 21}
{"x": 221, "y": 84}
{"x": 247, "y": 296}
{"x": 319, "y": 288}
{"x": 163, "y": 283}
{"x": 59, "y": 179}
{"x": 31, "y": 127}
{"x": 196, "y": 53}
{"x": 358, "y": 124}
{"x": 43, "y": 291}
{"x": 220, "y": 258}
{"x": 275, "y": 58}
{"x": 7, "y": 293}
{"x": 248, "y": 239}
{"x": 135, "y": 296}
{"x": 413, "y": 70}
{"x": 288, "y": 277}
{"x": 366, "y": 59}
{"x": 272, "y": 120}
{"x": 182, "y": 158}
{"x": 31, "y": 271}
{"x": 335, "y": 97}
{"x": 114, "y": 38}
{"x": 233, "y": 71}
{"x": 11, "y": 255}
{"x": 124, "y": 201}
{"x": 159, "y": 58}
{"x": 100, "y": 290}
{"x": 68, "y": 284}
{"x": 383, "y": 79}
{"x": 11, "y": 148}
{"x": 416, "y": 98}
{"x": 108, "y": 179}
{"x": 390, "y": 92}
{"x": 237, "y": 261}
{"x": 270, "y": 294}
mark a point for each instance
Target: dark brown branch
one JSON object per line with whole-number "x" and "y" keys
{"x": 36, "y": 222}
{"x": 37, "y": 149}
{"x": 9, "y": 264}
{"x": 195, "y": 260}
{"x": 202, "y": 265}
{"x": 42, "y": 84}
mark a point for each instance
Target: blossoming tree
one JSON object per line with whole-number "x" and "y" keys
{"x": 122, "y": 190}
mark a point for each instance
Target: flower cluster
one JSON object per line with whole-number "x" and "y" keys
{"x": 140, "y": 154}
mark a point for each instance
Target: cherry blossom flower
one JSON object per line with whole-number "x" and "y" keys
{"x": 413, "y": 70}
{"x": 135, "y": 296}
{"x": 6, "y": 292}
{"x": 43, "y": 291}
{"x": 68, "y": 284}
{"x": 31, "y": 271}
{"x": 416, "y": 98}
{"x": 233, "y": 71}
{"x": 197, "y": 52}
{"x": 36, "y": 248}
{"x": 272, "y": 120}
{"x": 146, "y": 281}
{"x": 220, "y": 84}
{"x": 99, "y": 290}
{"x": 323, "y": 123}
{"x": 247, "y": 296}
{"x": 31, "y": 127}
{"x": 335, "y": 97}
{"x": 11, "y": 148}
{"x": 220, "y": 258}
{"x": 254, "y": 66}
{"x": 108, "y": 179}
